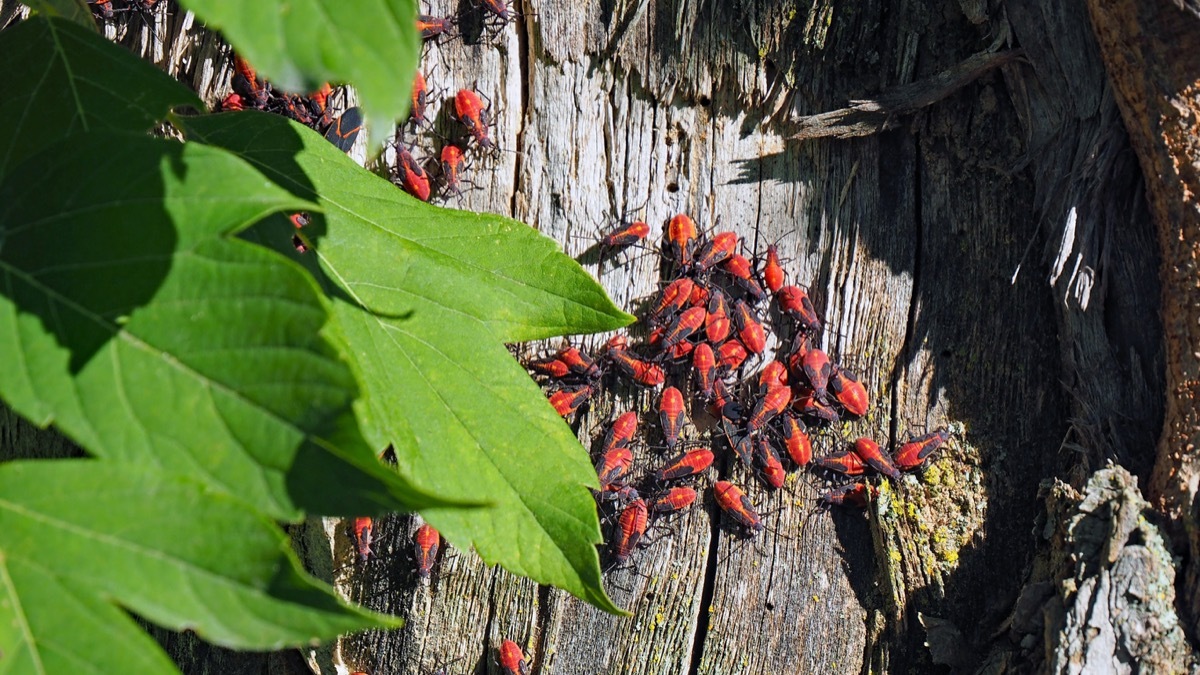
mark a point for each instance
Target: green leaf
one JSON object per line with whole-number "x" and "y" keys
{"x": 422, "y": 298}
{"x": 75, "y": 11}
{"x": 298, "y": 45}
{"x": 70, "y": 80}
{"x": 48, "y": 624}
{"x": 496, "y": 270}
{"x": 79, "y": 537}
{"x": 149, "y": 339}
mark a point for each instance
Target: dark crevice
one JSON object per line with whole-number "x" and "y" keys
{"x": 758, "y": 209}
{"x": 607, "y": 132}
{"x": 626, "y": 158}
{"x": 615, "y": 168}
{"x": 869, "y": 643}
{"x": 711, "y": 562}
{"x": 768, "y": 608}
{"x": 910, "y": 329}
{"x": 706, "y": 597}
{"x": 523, "y": 57}
{"x": 839, "y": 339}
{"x": 543, "y": 629}
{"x": 647, "y": 67}
{"x": 485, "y": 649}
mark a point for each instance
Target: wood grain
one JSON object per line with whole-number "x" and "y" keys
{"x": 1158, "y": 92}
{"x": 910, "y": 239}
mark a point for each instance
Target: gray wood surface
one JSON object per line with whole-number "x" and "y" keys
{"x": 910, "y": 239}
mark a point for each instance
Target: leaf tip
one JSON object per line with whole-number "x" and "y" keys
{"x": 389, "y": 622}
{"x": 601, "y": 601}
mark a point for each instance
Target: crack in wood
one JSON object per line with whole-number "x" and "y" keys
{"x": 543, "y": 625}
{"x": 491, "y": 620}
{"x": 910, "y": 327}
{"x": 706, "y": 596}
{"x": 524, "y": 56}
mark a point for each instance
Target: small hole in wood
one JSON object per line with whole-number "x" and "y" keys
{"x": 672, "y": 187}
{"x": 771, "y": 71}
{"x": 704, "y": 100}
{"x": 947, "y": 353}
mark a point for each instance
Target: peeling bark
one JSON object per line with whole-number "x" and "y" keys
{"x": 1103, "y": 599}
{"x": 863, "y": 118}
{"x": 1115, "y": 603}
{"x": 1152, "y": 53}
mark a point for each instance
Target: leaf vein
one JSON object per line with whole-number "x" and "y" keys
{"x": 19, "y": 612}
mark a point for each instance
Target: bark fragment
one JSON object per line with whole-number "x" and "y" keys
{"x": 863, "y": 118}
{"x": 1103, "y": 597}
{"x": 1151, "y": 51}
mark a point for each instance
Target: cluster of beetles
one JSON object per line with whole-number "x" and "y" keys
{"x": 418, "y": 175}
{"x": 409, "y": 173}
{"x": 705, "y": 330}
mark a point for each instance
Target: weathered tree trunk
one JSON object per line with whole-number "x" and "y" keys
{"x": 974, "y": 231}
{"x": 1152, "y": 53}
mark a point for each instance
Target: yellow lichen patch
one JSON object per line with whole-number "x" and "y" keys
{"x": 929, "y": 565}
{"x": 949, "y": 477}
{"x": 945, "y": 545}
{"x": 933, "y": 475}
